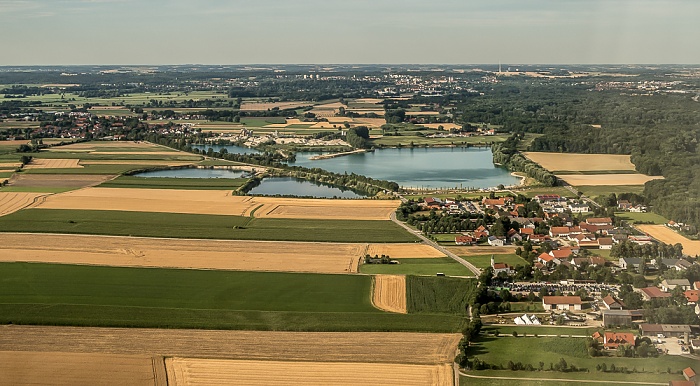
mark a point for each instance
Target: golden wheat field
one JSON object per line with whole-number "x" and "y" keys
{"x": 59, "y": 180}
{"x": 581, "y": 162}
{"x": 40, "y": 163}
{"x": 669, "y": 236}
{"x": 606, "y": 179}
{"x": 13, "y": 201}
{"x": 385, "y": 347}
{"x": 404, "y": 251}
{"x": 389, "y": 293}
{"x": 189, "y": 371}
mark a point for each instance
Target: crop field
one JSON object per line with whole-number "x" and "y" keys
{"x": 594, "y": 191}
{"x": 483, "y": 261}
{"x": 41, "y": 163}
{"x": 11, "y": 202}
{"x": 404, "y": 251}
{"x": 643, "y": 217}
{"x": 175, "y": 183}
{"x": 550, "y": 349}
{"x": 140, "y": 162}
{"x": 264, "y": 106}
{"x": 668, "y": 236}
{"x": 414, "y": 266}
{"x": 481, "y": 250}
{"x": 220, "y": 202}
{"x": 581, "y": 162}
{"x": 389, "y": 293}
{"x": 187, "y": 371}
{"x": 438, "y": 294}
{"x": 606, "y": 179}
{"x": 176, "y": 225}
{"x": 385, "y": 347}
{"x": 73, "y": 181}
{"x": 61, "y": 368}
{"x": 188, "y": 254}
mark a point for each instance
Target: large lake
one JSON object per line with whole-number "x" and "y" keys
{"x": 289, "y": 186}
{"x": 445, "y": 167}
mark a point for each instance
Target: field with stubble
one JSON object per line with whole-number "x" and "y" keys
{"x": 668, "y": 236}
{"x": 188, "y": 371}
{"x": 580, "y": 162}
{"x": 13, "y": 201}
{"x": 389, "y": 293}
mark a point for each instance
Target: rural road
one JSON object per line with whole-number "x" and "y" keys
{"x": 435, "y": 245}
{"x": 574, "y": 191}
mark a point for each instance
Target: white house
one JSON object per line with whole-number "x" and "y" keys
{"x": 563, "y": 303}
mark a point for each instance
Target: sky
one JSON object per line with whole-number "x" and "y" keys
{"x": 64, "y": 32}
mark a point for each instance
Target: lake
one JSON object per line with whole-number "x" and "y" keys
{"x": 193, "y": 173}
{"x": 297, "y": 187}
{"x": 420, "y": 167}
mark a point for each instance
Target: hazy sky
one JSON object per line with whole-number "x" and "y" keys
{"x": 349, "y": 31}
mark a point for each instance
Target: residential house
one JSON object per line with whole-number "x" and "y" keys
{"x": 611, "y": 303}
{"x": 538, "y": 239}
{"x": 605, "y": 243}
{"x": 578, "y": 208}
{"x": 611, "y": 340}
{"x": 599, "y": 221}
{"x": 563, "y": 303}
{"x": 626, "y": 263}
{"x": 559, "y": 231}
{"x": 641, "y": 240}
{"x": 563, "y": 253}
{"x": 692, "y": 296}
{"x": 465, "y": 240}
{"x": 689, "y": 375}
{"x": 649, "y": 293}
{"x": 514, "y": 236}
{"x": 669, "y": 285}
{"x": 596, "y": 261}
{"x": 496, "y": 241}
{"x": 624, "y": 204}
{"x": 501, "y": 267}
{"x": 549, "y": 198}
{"x": 545, "y": 258}
{"x": 432, "y": 202}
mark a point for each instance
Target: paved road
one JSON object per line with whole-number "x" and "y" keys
{"x": 435, "y": 245}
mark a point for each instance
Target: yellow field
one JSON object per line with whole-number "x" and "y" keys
{"x": 607, "y": 179}
{"x": 95, "y": 145}
{"x": 389, "y": 293}
{"x": 14, "y": 201}
{"x": 9, "y": 165}
{"x": 381, "y": 347}
{"x": 60, "y": 368}
{"x": 39, "y": 163}
{"x": 371, "y": 122}
{"x": 219, "y": 202}
{"x": 252, "y": 106}
{"x": 669, "y": 236}
{"x": 445, "y": 126}
{"x": 581, "y": 162}
{"x": 404, "y": 251}
{"x": 187, "y": 371}
{"x": 59, "y": 180}
{"x": 139, "y": 162}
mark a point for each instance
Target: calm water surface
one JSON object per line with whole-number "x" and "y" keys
{"x": 297, "y": 187}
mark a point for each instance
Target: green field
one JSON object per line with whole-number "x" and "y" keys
{"x": 143, "y": 297}
{"x": 469, "y": 381}
{"x": 538, "y": 190}
{"x": 178, "y": 225}
{"x": 175, "y": 183}
{"x": 594, "y": 191}
{"x": 526, "y": 307}
{"x": 429, "y": 266}
{"x": 36, "y": 189}
{"x": 483, "y": 261}
{"x": 642, "y": 217}
{"x": 91, "y": 169}
{"x": 532, "y": 350}
{"x": 539, "y": 330}
{"x": 431, "y": 295}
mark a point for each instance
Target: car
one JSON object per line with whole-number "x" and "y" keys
{"x": 660, "y": 336}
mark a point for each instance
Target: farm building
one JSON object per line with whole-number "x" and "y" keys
{"x": 653, "y": 293}
{"x": 621, "y": 317}
{"x": 611, "y": 340}
{"x": 563, "y": 303}
{"x": 668, "y": 330}
{"x": 611, "y": 303}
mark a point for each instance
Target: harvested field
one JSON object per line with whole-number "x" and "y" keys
{"x": 169, "y": 253}
{"x": 10, "y": 165}
{"x": 59, "y": 180}
{"x": 385, "y": 347}
{"x": 140, "y": 162}
{"x": 40, "y": 163}
{"x": 60, "y": 368}
{"x": 607, "y": 179}
{"x": 372, "y": 122}
{"x": 187, "y": 371}
{"x": 581, "y": 162}
{"x": 219, "y": 202}
{"x": 473, "y": 251}
{"x": 669, "y": 236}
{"x": 167, "y": 153}
{"x": 368, "y": 100}
{"x": 14, "y": 201}
{"x": 251, "y": 106}
{"x": 324, "y": 209}
{"x": 94, "y": 145}
{"x": 389, "y": 293}
{"x": 403, "y": 251}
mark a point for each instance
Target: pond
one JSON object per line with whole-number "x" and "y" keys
{"x": 420, "y": 167}
{"x": 194, "y": 173}
{"x": 297, "y": 187}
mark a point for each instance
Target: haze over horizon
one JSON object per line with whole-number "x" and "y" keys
{"x": 120, "y": 32}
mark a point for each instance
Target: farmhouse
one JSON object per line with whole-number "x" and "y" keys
{"x": 621, "y": 317}
{"x": 611, "y": 303}
{"x": 668, "y": 330}
{"x": 465, "y": 240}
{"x": 649, "y": 293}
{"x": 611, "y": 340}
{"x": 564, "y": 303}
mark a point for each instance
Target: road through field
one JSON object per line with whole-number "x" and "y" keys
{"x": 381, "y": 347}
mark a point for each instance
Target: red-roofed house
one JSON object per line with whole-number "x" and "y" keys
{"x": 559, "y": 231}
{"x": 465, "y": 240}
{"x": 689, "y": 374}
{"x": 611, "y": 340}
{"x": 611, "y": 303}
{"x": 545, "y": 258}
{"x": 561, "y": 253}
{"x": 692, "y": 296}
{"x": 653, "y": 293}
{"x": 564, "y": 303}
{"x": 599, "y": 221}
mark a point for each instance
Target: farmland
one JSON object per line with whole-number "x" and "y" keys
{"x": 414, "y": 266}
{"x": 176, "y": 225}
{"x": 581, "y": 162}
{"x": 483, "y": 261}
{"x": 13, "y": 201}
{"x": 668, "y": 236}
{"x": 175, "y": 183}
{"x": 389, "y": 293}
{"x": 186, "y": 371}
{"x": 641, "y": 217}
{"x": 438, "y": 294}
{"x": 606, "y": 179}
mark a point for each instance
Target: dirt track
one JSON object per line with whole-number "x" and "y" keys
{"x": 186, "y": 371}
{"x": 58, "y": 368}
{"x": 219, "y": 202}
{"x": 668, "y": 236}
{"x": 389, "y": 293}
{"x": 381, "y": 347}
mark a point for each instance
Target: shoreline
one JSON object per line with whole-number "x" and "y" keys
{"x": 334, "y": 155}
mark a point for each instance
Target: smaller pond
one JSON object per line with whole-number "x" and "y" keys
{"x": 296, "y": 187}
{"x": 194, "y": 173}
{"x": 229, "y": 148}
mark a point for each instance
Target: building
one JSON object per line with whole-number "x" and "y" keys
{"x": 496, "y": 241}
{"x": 667, "y": 330}
{"x": 669, "y": 285}
{"x": 562, "y": 303}
{"x": 578, "y": 208}
{"x": 653, "y": 293}
{"x": 629, "y": 262}
{"x": 689, "y": 375}
{"x": 465, "y": 240}
{"x": 611, "y": 340}
{"x": 615, "y": 318}
{"x": 501, "y": 267}
{"x": 611, "y": 303}
{"x": 605, "y": 243}
{"x": 599, "y": 221}
{"x": 681, "y": 383}
{"x": 692, "y": 296}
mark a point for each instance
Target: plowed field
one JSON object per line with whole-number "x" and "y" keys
{"x": 381, "y": 347}
{"x": 186, "y": 371}
{"x": 389, "y": 293}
